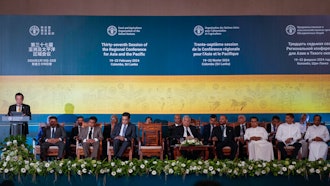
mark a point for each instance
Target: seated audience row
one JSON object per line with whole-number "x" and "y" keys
{"x": 244, "y": 139}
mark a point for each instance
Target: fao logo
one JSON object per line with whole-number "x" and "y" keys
{"x": 34, "y": 30}
{"x": 198, "y": 30}
{"x": 112, "y": 30}
{"x": 290, "y": 30}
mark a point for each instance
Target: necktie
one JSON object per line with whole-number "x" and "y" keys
{"x": 188, "y": 133}
{"x": 53, "y": 133}
{"x": 19, "y": 108}
{"x": 90, "y": 133}
{"x": 242, "y": 131}
{"x": 124, "y": 130}
{"x": 224, "y": 133}
{"x": 211, "y": 129}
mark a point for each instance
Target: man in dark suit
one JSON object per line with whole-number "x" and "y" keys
{"x": 224, "y": 136}
{"x": 186, "y": 131}
{"x": 20, "y": 107}
{"x": 208, "y": 129}
{"x": 122, "y": 135}
{"x": 91, "y": 136}
{"x": 172, "y": 128}
{"x": 74, "y": 135}
{"x": 239, "y": 134}
{"x": 171, "y": 135}
{"x": 107, "y": 130}
{"x": 76, "y": 129}
{"x": 54, "y": 135}
{"x": 272, "y": 127}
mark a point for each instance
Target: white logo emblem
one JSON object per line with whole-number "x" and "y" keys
{"x": 290, "y": 30}
{"x": 34, "y": 30}
{"x": 198, "y": 30}
{"x": 112, "y": 30}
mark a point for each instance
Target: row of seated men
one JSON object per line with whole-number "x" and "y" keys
{"x": 259, "y": 140}
{"x": 55, "y": 135}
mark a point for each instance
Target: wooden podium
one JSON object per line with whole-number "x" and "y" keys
{"x": 16, "y": 123}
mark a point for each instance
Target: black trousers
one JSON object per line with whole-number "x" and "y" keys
{"x": 119, "y": 147}
{"x": 231, "y": 144}
{"x": 241, "y": 154}
{"x": 284, "y": 155}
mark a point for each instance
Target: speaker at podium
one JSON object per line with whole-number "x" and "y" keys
{"x": 16, "y": 120}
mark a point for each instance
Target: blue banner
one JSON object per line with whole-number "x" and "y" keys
{"x": 189, "y": 45}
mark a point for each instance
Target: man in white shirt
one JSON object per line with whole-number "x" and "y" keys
{"x": 288, "y": 134}
{"x": 317, "y": 136}
{"x": 258, "y": 146}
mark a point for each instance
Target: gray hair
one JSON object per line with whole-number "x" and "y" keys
{"x": 242, "y": 116}
{"x": 186, "y": 116}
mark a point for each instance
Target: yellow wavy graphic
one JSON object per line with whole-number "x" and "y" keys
{"x": 169, "y": 94}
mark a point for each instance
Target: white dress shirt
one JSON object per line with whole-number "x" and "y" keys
{"x": 185, "y": 132}
{"x": 224, "y": 128}
{"x": 317, "y": 131}
{"x": 51, "y": 134}
{"x": 303, "y": 127}
{"x": 123, "y": 130}
{"x": 211, "y": 129}
{"x": 89, "y": 130}
{"x": 18, "y": 108}
{"x": 258, "y": 132}
{"x": 272, "y": 127}
{"x": 286, "y": 131}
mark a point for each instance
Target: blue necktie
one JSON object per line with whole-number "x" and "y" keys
{"x": 124, "y": 130}
{"x": 53, "y": 133}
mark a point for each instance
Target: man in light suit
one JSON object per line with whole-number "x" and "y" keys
{"x": 54, "y": 135}
{"x": 122, "y": 135}
{"x": 20, "y": 107}
{"x": 91, "y": 136}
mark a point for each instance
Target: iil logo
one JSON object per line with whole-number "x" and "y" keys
{"x": 41, "y": 30}
{"x": 290, "y": 30}
{"x": 198, "y": 30}
{"x": 112, "y": 30}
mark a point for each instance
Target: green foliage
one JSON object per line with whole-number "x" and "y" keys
{"x": 16, "y": 159}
